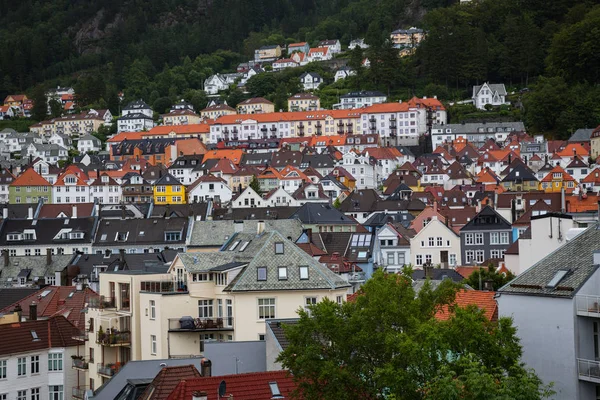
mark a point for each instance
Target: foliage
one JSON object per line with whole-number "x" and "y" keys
{"x": 387, "y": 343}
{"x": 488, "y": 274}
{"x": 255, "y": 184}
{"x": 40, "y": 106}
{"x": 18, "y": 124}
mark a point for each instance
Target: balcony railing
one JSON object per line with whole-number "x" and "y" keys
{"x": 588, "y": 305}
{"x": 588, "y": 370}
{"x": 109, "y": 369}
{"x": 80, "y": 363}
{"x": 200, "y": 324}
{"x": 83, "y": 336}
{"x": 113, "y": 339}
{"x": 79, "y": 392}
{"x": 102, "y": 302}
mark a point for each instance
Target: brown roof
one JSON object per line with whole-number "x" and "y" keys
{"x": 54, "y": 210}
{"x": 51, "y": 333}
{"x": 255, "y": 100}
{"x": 167, "y": 379}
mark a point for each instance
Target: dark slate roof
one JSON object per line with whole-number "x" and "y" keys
{"x": 263, "y": 213}
{"x": 256, "y": 159}
{"x": 47, "y": 230}
{"x": 317, "y": 161}
{"x": 576, "y": 256}
{"x": 520, "y": 173}
{"x": 439, "y": 274}
{"x": 136, "y": 105}
{"x": 148, "y": 262}
{"x": 276, "y": 326}
{"x": 140, "y": 231}
{"x": 167, "y": 179}
{"x": 283, "y": 158}
{"x": 216, "y": 233}
{"x": 487, "y": 219}
{"x": 134, "y": 116}
{"x": 10, "y": 296}
{"x": 317, "y": 213}
{"x": 382, "y": 218}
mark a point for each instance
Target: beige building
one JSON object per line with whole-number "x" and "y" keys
{"x": 403, "y": 38}
{"x": 595, "y": 143}
{"x": 181, "y": 117}
{"x": 436, "y": 244}
{"x": 304, "y": 102}
{"x": 216, "y": 111}
{"x": 71, "y": 125}
{"x": 255, "y": 105}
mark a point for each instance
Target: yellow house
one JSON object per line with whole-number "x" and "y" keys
{"x": 267, "y": 52}
{"x": 407, "y": 38}
{"x": 15, "y": 100}
{"x": 181, "y": 117}
{"x": 216, "y": 111}
{"x": 556, "y": 180}
{"x": 304, "y": 102}
{"x": 168, "y": 190}
{"x": 256, "y": 105}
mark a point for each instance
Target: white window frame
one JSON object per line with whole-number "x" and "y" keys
{"x": 267, "y": 308}
{"x": 153, "y": 347}
{"x": 152, "y": 309}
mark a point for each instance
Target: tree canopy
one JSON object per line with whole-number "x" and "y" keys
{"x": 387, "y": 343}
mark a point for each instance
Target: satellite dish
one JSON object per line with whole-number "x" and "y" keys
{"x": 222, "y": 388}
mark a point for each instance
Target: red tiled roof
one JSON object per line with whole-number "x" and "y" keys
{"x": 464, "y": 298}
{"x": 255, "y": 100}
{"x": 550, "y": 176}
{"x": 30, "y": 178}
{"x": 126, "y": 136}
{"x": 573, "y": 148}
{"x": 466, "y": 272}
{"x": 51, "y": 333}
{"x": 251, "y": 386}
{"x": 190, "y": 129}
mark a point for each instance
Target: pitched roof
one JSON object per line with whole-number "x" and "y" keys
{"x": 54, "y": 332}
{"x": 483, "y": 300}
{"x": 30, "y": 178}
{"x": 251, "y": 386}
{"x": 167, "y": 379}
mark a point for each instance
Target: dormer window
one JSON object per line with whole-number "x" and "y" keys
{"x": 121, "y": 236}
{"x": 278, "y": 247}
{"x": 172, "y": 236}
{"x": 14, "y": 237}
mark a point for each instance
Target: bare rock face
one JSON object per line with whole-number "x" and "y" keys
{"x": 89, "y": 34}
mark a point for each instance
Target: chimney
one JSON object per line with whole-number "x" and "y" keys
{"x": 122, "y": 255}
{"x": 260, "y": 227}
{"x": 74, "y": 211}
{"x": 562, "y": 199}
{"x": 488, "y": 285}
{"x": 435, "y": 206}
{"x": 48, "y": 256}
{"x": 5, "y": 213}
{"x": 33, "y": 311}
{"x": 30, "y": 213}
{"x": 5, "y": 254}
{"x": 205, "y": 367}
{"x": 199, "y": 396}
{"x": 19, "y": 311}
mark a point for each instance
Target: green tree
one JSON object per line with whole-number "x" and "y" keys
{"x": 56, "y": 108}
{"x": 40, "y": 104}
{"x": 388, "y": 343}
{"x": 255, "y": 184}
{"x": 478, "y": 278}
{"x": 545, "y": 103}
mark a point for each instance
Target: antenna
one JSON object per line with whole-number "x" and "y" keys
{"x": 222, "y": 389}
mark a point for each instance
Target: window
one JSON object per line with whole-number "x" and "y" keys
{"x": 469, "y": 256}
{"x": 479, "y": 256}
{"x": 55, "y": 362}
{"x": 266, "y": 308}
{"x": 35, "y": 394}
{"x": 153, "y": 344}
{"x": 172, "y": 236}
{"x": 161, "y": 189}
{"x": 282, "y": 272}
{"x": 469, "y": 239}
{"x": 279, "y": 248}
{"x": 494, "y": 238}
{"x": 21, "y": 366}
{"x": 22, "y": 394}
{"x": 339, "y": 299}
{"x": 304, "y": 272}
{"x": 35, "y": 364}
{"x": 431, "y": 242}
{"x": 504, "y": 239}
{"x": 419, "y": 259}
{"x": 479, "y": 238}
{"x": 205, "y": 308}
{"x": 391, "y": 259}
{"x": 56, "y": 392}
{"x": 427, "y": 258}
{"x": 261, "y": 273}
{"x": 452, "y": 259}
{"x": 2, "y": 369}
{"x": 309, "y": 301}
{"x": 152, "y": 309}
{"x": 439, "y": 241}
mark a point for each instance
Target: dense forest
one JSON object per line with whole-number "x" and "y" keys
{"x": 162, "y": 50}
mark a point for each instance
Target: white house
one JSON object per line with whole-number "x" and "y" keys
{"x": 37, "y": 363}
{"x": 310, "y": 80}
{"x": 51, "y": 153}
{"x": 360, "y": 167}
{"x": 360, "y": 99}
{"x": 105, "y": 190}
{"x": 219, "y": 82}
{"x": 489, "y": 93}
{"x": 134, "y": 122}
{"x": 358, "y": 43}
{"x": 437, "y": 244}
{"x": 284, "y": 63}
{"x": 137, "y": 107}
{"x": 319, "y": 54}
{"x": 70, "y": 187}
{"x": 334, "y": 45}
{"x": 209, "y": 187}
{"x": 280, "y": 198}
{"x": 391, "y": 249}
{"x": 343, "y": 73}
{"x": 60, "y": 139}
{"x": 89, "y": 143}
{"x": 248, "y": 199}
{"x": 6, "y": 112}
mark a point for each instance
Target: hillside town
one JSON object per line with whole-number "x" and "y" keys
{"x": 168, "y": 258}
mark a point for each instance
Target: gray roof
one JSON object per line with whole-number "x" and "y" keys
{"x": 37, "y": 265}
{"x": 276, "y": 327}
{"x": 147, "y": 369}
{"x": 90, "y": 137}
{"x": 494, "y": 87}
{"x": 472, "y": 127}
{"x": 216, "y": 233}
{"x": 581, "y": 135}
{"x": 318, "y": 213}
{"x": 575, "y": 256}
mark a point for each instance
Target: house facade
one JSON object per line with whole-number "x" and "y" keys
{"x": 489, "y": 93}
{"x": 487, "y": 236}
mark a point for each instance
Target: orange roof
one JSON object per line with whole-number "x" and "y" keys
{"x": 323, "y": 50}
{"x": 483, "y": 300}
{"x": 30, "y": 178}
{"x": 383, "y": 153}
{"x": 586, "y": 203}
{"x": 233, "y": 155}
{"x": 4, "y": 109}
{"x": 72, "y": 170}
{"x": 558, "y": 169}
{"x": 486, "y": 175}
{"x": 592, "y": 177}
{"x": 334, "y": 140}
{"x": 289, "y": 169}
{"x": 386, "y": 107}
{"x": 119, "y": 137}
{"x": 69, "y": 105}
{"x": 300, "y": 44}
{"x": 431, "y": 102}
{"x": 573, "y": 148}
{"x": 178, "y": 129}
{"x": 268, "y": 173}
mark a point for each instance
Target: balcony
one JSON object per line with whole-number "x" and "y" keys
{"x": 83, "y": 337}
{"x": 80, "y": 364}
{"x": 273, "y": 129}
{"x": 588, "y": 370}
{"x": 587, "y": 305}
{"x": 102, "y": 303}
{"x": 108, "y": 370}
{"x": 79, "y": 392}
{"x": 114, "y": 338}
{"x": 200, "y": 324}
